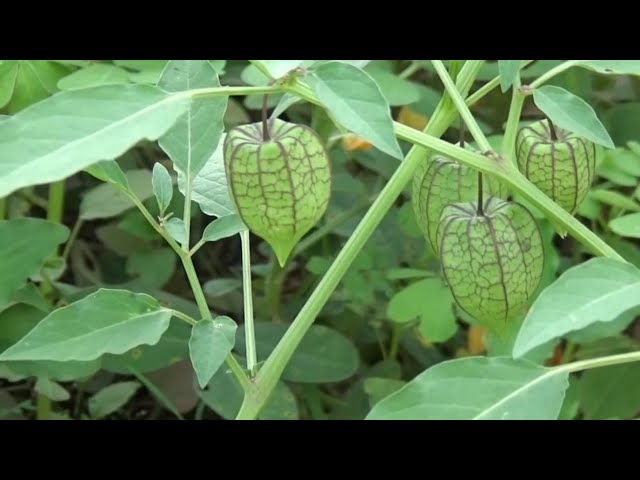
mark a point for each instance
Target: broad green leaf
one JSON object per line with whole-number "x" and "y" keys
{"x": 224, "y": 396}
{"x": 109, "y": 171}
{"x": 223, "y": 227}
{"x": 478, "y": 388}
{"x": 8, "y": 74}
{"x": 397, "y": 91}
{"x": 598, "y": 290}
{"x": 35, "y": 80}
{"x": 195, "y": 136}
{"x": 509, "y": 70}
{"x": 221, "y": 286}
{"x": 355, "y": 101}
{"x": 51, "y": 390}
{"x": 72, "y": 130}
{"x": 280, "y": 68}
{"x": 323, "y": 356}
{"x": 620, "y": 120}
{"x": 111, "y": 399}
{"x": 94, "y": 76}
{"x": 571, "y": 113}
{"x": 15, "y": 323}
{"x": 142, "y": 65}
{"x": 209, "y": 187}
{"x": 612, "y": 67}
{"x": 177, "y": 229}
{"x": 108, "y": 321}
{"x": 627, "y": 160}
{"x": 599, "y": 330}
{"x": 172, "y": 347}
{"x": 153, "y": 268}
{"x": 611, "y": 171}
{"x": 162, "y": 186}
{"x": 430, "y": 301}
{"x": 211, "y": 341}
{"x": 25, "y": 244}
{"x": 107, "y": 201}
{"x": 610, "y": 392}
{"x": 571, "y": 404}
{"x": 379, "y": 388}
{"x": 627, "y": 226}
{"x": 615, "y": 199}
{"x": 284, "y": 103}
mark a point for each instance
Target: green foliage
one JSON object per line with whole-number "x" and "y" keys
{"x": 373, "y": 298}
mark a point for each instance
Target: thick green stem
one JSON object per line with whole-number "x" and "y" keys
{"x": 271, "y": 371}
{"x": 273, "y": 289}
{"x": 481, "y": 92}
{"x": 460, "y": 104}
{"x": 513, "y": 121}
{"x": 56, "y": 202}
{"x": 249, "y": 329}
{"x": 599, "y": 362}
{"x": 43, "y": 408}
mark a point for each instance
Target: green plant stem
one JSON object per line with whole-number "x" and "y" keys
{"x": 43, "y": 408}
{"x": 410, "y": 70}
{"x": 72, "y": 238}
{"x": 271, "y": 371}
{"x": 487, "y": 87}
{"x": 273, "y": 289}
{"x": 198, "y": 294}
{"x": 513, "y": 121}
{"x": 460, "y": 104}
{"x": 56, "y": 202}
{"x": 186, "y": 216}
{"x": 249, "y": 329}
{"x": 598, "y": 362}
{"x": 552, "y": 73}
{"x": 395, "y": 341}
{"x": 185, "y": 317}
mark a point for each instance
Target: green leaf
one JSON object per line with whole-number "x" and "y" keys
{"x": 172, "y": 347}
{"x": 323, "y": 356}
{"x": 615, "y": 199}
{"x": 108, "y": 321}
{"x": 612, "y": 67}
{"x": 620, "y": 120}
{"x": 509, "y": 70}
{"x": 51, "y": 390}
{"x": 280, "y": 68}
{"x": 610, "y": 392}
{"x": 598, "y": 290}
{"x": 599, "y": 330}
{"x": 94, "y": 76}
{"x": 99, "y": 124}
{"x": 478, "y": 388}
{"x": 162, "y": 186}
{"x": 221, "y": 286}
{"x": 223, "y": 227}
{"x": 177, "y": 229}
{"x": 626, "y": 226}
{"x": 211, "y": 341}
{"x": 379, "y": 388}
{"x": 284, "y": 103}
{"x": 224, "y": 395}
{"x": 397, "y": 91}
{"x": 195, "y": 136}
{"x": 209, "y": 188}
{"x": 354, "y": 99}
{"x": 111, "y": 398}
{"x": 571, "y": 113}
{"x": 153, "y": 268}
{"x": 107, "y": 200}
{"x": 25, "y": 244}
{"x": 431, "y": 301}
{"x": 8, "y": 74}
{"x": 35, "y": 80}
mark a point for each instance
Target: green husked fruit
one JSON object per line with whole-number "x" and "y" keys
{"x": 492, "y": 262}
{"x": 441, "y": 181}
{"x": 281, "y": 186}
{"x": 561, "y": 167}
